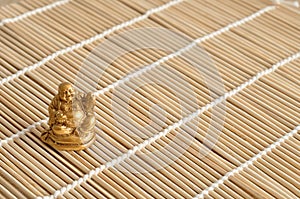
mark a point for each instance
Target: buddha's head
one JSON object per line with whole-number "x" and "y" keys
{"x": 66, "y": 92}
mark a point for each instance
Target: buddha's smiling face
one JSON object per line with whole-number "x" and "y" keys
{"x": 66, "y": 92}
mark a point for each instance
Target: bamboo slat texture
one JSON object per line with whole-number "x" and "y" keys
{"x": 253, "y": 44}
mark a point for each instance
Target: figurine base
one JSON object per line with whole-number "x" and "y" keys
{"x": 70, "y": 142}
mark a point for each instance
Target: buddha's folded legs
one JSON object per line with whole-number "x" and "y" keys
{"x": 70, "y": 141}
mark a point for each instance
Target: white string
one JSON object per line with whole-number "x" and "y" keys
{"x": 236, "y": 24}
{"x": 166, "y": 58}
{"x": 288, "y": 3}
{"x": 88, "y": 41}
{"x": 142, "y": 145}
{"x": 33, "y": 12}
{"x": 248, "y": 163}
{"x": 184, "y": 49}
{"x": 6, "y": 140}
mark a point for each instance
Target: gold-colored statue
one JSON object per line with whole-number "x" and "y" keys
{"x": 71, "y": 120}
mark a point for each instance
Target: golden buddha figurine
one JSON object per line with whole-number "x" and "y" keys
{"x": 71, "y": 120}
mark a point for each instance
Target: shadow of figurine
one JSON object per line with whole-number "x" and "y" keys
{"x": 71, "y": 119}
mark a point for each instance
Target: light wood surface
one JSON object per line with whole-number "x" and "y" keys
{"x": 256, "y": 117}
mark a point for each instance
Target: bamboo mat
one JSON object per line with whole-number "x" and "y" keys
{"x": 253, "y": 44}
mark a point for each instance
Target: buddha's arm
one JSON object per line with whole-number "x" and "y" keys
{"x": 52, "y": 109}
